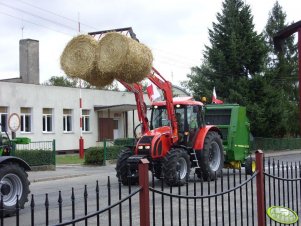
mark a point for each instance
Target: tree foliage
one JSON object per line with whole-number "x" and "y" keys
{"x": 245, "y": 69}
{"x": 70, "y": 82}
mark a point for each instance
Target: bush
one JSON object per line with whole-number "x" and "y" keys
{"x": 95, "y": 155}
{"x": 124, "y": 142}
{"x": 36, "y": 157}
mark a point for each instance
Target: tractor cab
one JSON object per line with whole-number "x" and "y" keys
{"x": 189, "y": 115}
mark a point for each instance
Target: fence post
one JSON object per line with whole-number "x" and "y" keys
{"x": 144, "y": 193}
{"x": 260, "y": 188}
{"x": 104, "y": 152}
{"x": 53, "y": 152}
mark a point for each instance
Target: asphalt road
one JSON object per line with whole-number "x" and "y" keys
{"x": 77, "y": 177}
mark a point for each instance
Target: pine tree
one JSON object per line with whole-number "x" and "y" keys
{"x": 281, "y": 70}
{"x": 235, "y": 55}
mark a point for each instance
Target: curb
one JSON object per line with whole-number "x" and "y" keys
{"x": 57, "y": 178}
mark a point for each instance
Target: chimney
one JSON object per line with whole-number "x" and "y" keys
{"x": 29, "y": 61}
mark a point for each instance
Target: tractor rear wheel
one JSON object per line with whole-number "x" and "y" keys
{"x": 122, "y": 168}
{"x": 211, "y": 158}
{"x": 176, "y": 167}
{"x": 14, "y": 184}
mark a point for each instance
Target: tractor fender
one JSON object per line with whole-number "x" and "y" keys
{"x": 13, "y": 159}
{"x": 200, "y": 137}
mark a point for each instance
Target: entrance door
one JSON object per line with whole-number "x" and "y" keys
{"x": 116, "y": 128}
{"x": 105, "y": 128}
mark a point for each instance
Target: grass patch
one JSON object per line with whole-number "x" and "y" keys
{"x": 68, "y": 159}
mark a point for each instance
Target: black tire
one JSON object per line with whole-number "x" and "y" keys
{"x": 250, "y": 165}
{"x": 176, "y": 167}
{"x": 158, "y": 171}
{"x": 122, "y": 168}
{"x": 13, "y": 181}
{"x": 211, "y": 158}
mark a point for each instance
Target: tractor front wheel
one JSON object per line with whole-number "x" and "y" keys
{"x": 211, "y": 158}
{"x": 176, "y": 167}
{"x": 122, "y": 168}
{"x": 14, "y": 184}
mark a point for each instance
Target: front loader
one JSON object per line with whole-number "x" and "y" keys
{"x": 175, "y": 139}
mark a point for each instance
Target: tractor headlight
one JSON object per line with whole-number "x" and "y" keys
{"x": 147, "y": 147}
{"x": 140, "y": 147}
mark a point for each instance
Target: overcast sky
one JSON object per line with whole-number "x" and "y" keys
{"x": 175, "y": 30}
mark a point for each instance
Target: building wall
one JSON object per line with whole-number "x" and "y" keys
{"x": 17, "y": 95}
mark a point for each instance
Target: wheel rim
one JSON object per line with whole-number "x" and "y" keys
{"x": 182, "y": 168}
{"x": 15, "y": 189}
{"x": 214, "y": 156}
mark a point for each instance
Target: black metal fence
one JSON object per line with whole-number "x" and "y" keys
{"x": 283, "y": 186}
{"x": 230, "y": 200}
{"x": 235, "y": 198}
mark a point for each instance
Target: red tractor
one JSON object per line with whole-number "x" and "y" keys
{"x": 174, "y": 140}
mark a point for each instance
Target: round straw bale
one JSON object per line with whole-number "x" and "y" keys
{"x": 98, "y": 79}
{"x": 123, "y": 57}
{"x": 78, "y": 57}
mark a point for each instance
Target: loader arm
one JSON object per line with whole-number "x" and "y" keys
{"x": 166, "y": 87}
{"x": 141, "y": 107}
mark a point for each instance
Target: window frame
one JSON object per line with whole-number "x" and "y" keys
{"x": 5, "y": 114}
{"x": 66, "y": 118}
{"x": 86, "y": 121}
{"x": 23, "y": 116}
{"x": 45, "y": 116}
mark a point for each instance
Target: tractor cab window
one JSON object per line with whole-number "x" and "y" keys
{"x": 159, "y": 117}
{"x": 192, "y": 117}
{"x": 180, "y": 116}
{"x": 193, "y": 121}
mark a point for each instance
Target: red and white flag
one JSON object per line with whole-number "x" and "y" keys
{"x": 152, "y": 91}
{"x": 214, "y": 98}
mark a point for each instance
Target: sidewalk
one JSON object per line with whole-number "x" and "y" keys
{"x": 77, "y": 170}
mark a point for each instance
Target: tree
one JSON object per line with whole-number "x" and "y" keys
{"x": 241, "y": 64}
{"x": 61, "y": 81}
{"x": 74, "y": 82}
{"x": 236, "y": 54}
{"x": 282, "y": 69}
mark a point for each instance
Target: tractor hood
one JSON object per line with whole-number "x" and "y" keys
{"x": 159, "y": 131}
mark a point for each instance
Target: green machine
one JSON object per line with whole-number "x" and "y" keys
{"x": 232, "y": 120}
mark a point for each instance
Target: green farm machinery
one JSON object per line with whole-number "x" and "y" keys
{"x": 232, "y": 121}
{"x": 14, "y": 183}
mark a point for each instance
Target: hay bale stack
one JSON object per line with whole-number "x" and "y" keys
{"x": 123, "y": 57}
{"x": 78, "y": 57}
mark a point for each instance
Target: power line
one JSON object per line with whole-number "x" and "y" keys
{"x": 40, "y": 25}
{"x": 53, "y": 13}
{"x": 37, "y": 16}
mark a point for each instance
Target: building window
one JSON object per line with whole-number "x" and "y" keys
{"x": 3, "y": 119}
{"x": 86, "y": 120}
{"x": 67, "y": 120}
{"x": 47, "y": 120}
{"x": 26, "y": 120}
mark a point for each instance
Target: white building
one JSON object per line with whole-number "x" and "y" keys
{"x": 52, "y": 112}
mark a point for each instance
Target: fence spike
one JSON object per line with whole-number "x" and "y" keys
{"x": 32, "y": 206}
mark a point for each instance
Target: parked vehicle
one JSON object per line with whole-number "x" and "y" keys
{"x": 14, "y": 183}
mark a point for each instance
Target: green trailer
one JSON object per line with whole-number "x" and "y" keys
{"x": 233, "y": 122}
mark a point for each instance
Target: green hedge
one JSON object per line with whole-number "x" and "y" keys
{"x": 124, "y": 141}
{"x": 95, "y": 155}
{"x": 36, "y": 157}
